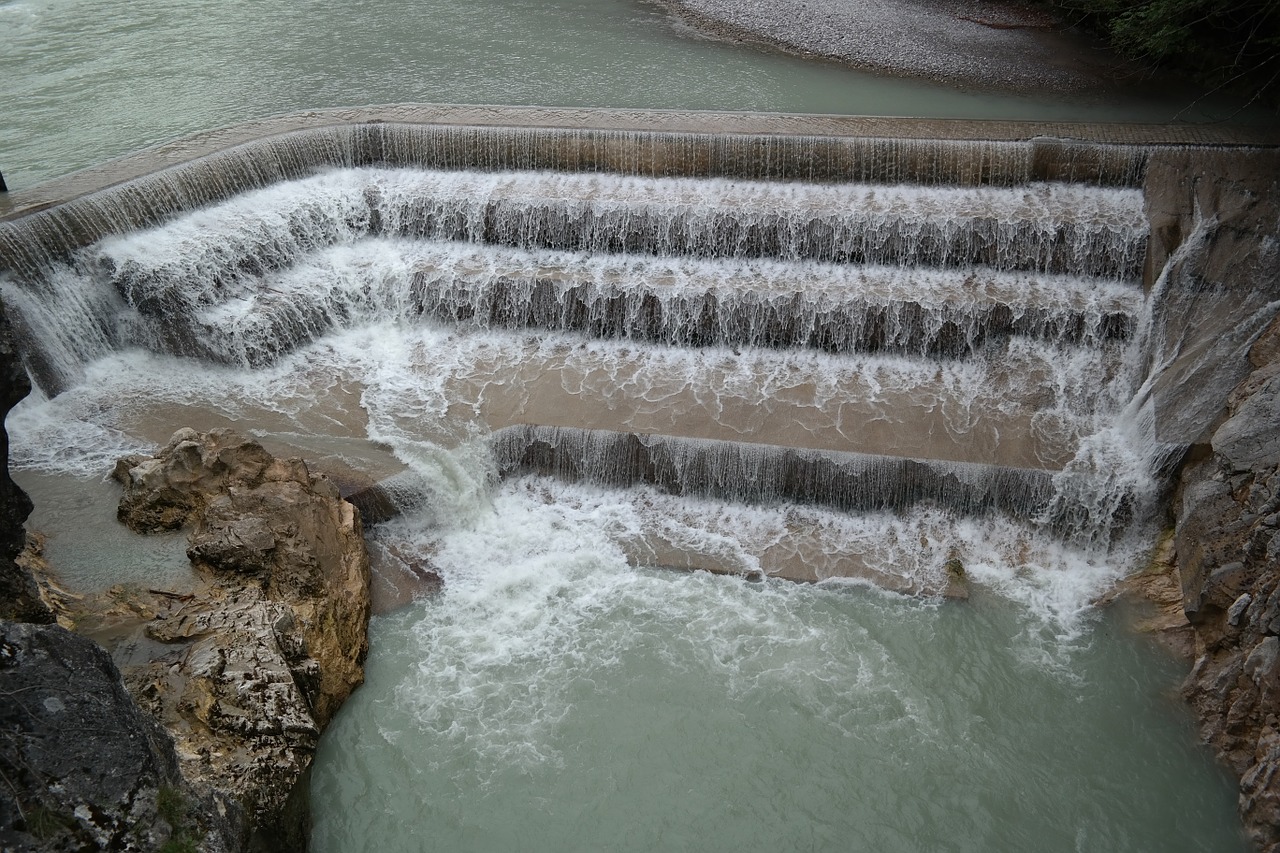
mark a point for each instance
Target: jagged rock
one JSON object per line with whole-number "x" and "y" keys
{"x": 273, "y": 641}
{"x": 1251, "y": 439}
{"x": 1158, "y": 589}
{"x": 166, "y": 491}
{"x": 19, "y": 596}
{"x": 1229, "y": 553}
{"x": 84, "y": 768}
{"x": 1213, "y": 215}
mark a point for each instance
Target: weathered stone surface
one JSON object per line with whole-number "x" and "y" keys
{"x": 253, "y": 665}
{"x": 84, "y": 768}
{"x": 1215, "y": 262}
{"x": 1157, "y": 592}
{"x": 1229, "y": 553}
{"x": 166, "y": 491}
{"x": 19, "y": 597}
{"x": 1252, "y": 438}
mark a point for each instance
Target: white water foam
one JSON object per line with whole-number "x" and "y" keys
{"x": 529, "y": 589}
{"x": 1103, "y": 229}
{"x": 541, "y": 604}
{"x": 379, "y": 388}
{"x": 730, "y": 301}
{"x": 410, "y": 413}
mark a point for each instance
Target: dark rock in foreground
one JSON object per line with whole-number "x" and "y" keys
{"x": 85, "y": 769}
{"x": 19, "y": 597}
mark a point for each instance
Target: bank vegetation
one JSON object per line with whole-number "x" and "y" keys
{"x": 1232, "y": 45}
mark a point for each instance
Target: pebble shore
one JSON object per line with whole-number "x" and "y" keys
{"x": 972, "y": 44}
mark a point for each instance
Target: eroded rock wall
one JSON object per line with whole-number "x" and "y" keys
{"x": 1214, "y": 262}
{"x": 1215, "y": 224}
{"x": 19, "y": 596}
{"x": 1228, "y": 544}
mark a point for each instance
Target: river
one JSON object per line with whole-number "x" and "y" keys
{"x": 559, "y": 693}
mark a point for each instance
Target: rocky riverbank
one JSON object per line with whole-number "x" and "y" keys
{"x": 970, "y": 44}
{"x": 1215, "y": 584}
{"x": 198, "y": 732}
{"x": 1228, "y": 545}
{"x": 246, "y": 670}
{"x": 1214, "y": 257}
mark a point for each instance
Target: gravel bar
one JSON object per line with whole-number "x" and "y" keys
{"x": 972, "y": 44}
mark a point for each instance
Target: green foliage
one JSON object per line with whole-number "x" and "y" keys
{"x": 172, "y": 806}
{"x": 171, "y": 803}
{"x": 180, "y": 844}
{"x": 1227, "y": 43}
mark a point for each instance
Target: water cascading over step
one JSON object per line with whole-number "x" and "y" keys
{"x": 865, "y": 349}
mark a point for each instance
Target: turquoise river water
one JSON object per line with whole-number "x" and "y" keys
{"x": 558, "y": 694}
{"x": 85, "y": 80}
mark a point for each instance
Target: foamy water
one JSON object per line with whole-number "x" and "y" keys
{"x": 449, "y": 333}
{"x": 342, "y": 327}
{"x": 552, "y": 697}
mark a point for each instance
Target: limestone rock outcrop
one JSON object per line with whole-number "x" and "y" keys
{"x": 1228, "y": 547}
{"x": 256, "y": 660}
{"x": 1214, "y": 214}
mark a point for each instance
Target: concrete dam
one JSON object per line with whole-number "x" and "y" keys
{"x": 942, "y": 359}
{"x": 863, "y": 323}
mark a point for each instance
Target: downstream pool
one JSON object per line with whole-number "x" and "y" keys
{"x": 552, "y": 698}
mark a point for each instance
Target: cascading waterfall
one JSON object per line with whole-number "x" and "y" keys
{"x": 914, "y": 327}
{"x": 155, "y": 197}
{"x": 536, "y": 356}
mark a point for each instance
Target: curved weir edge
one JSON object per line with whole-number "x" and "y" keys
{"x": 1057, "y": 150}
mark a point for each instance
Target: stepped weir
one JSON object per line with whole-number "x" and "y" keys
{"x": 793, "y": 313}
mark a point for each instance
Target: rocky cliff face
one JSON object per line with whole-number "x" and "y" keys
{"x": 1215, "y": 218}
{"x": 256, "y": 660}
{"x": 1228, "y": 544}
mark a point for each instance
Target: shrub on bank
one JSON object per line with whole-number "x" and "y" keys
{"x": 1230, "y": 44}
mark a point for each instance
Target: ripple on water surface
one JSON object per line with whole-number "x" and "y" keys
{"x": 554, "y": 698}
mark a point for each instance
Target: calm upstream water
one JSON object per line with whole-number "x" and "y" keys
{"x": 86, "y": 80}
{"x": 559, "y": 694}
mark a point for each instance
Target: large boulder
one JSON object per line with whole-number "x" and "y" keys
{"x": 255, "y": 661}
{"x": 19, "y": 596}
{"x": 84, "y": 769}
